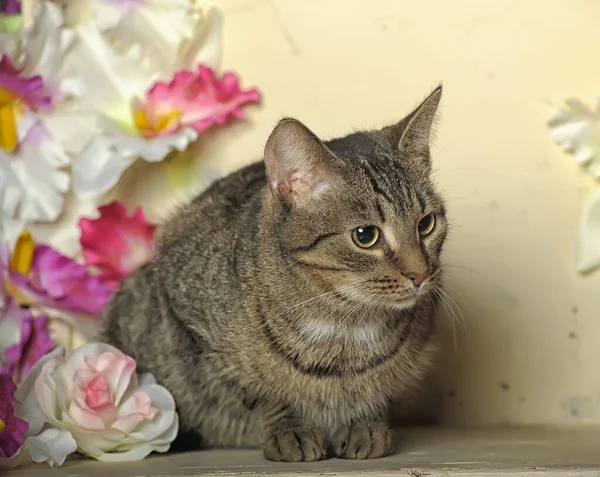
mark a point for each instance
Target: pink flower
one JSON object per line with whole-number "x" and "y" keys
{"x": 35, "y": 343}
{"x": 115, "y": 243}
{"x": 192, "y": 99}
{"x": 58, "y": 282}
{"x": 11, "y": 7}
{"x": 18, "y": 94}
{"x": 12, "y": 428}
{"x": 97, "y": 397}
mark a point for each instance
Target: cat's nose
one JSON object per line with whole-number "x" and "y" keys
{"x": 417, "y": 278}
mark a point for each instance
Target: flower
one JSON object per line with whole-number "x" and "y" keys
{"x": 192, "y": 99}
{"x": 50, "y": 283}
{"x": 17, "y": 94}
{"x": 36, "y": 183}
{"x": 35, "y": 342}
{"x": 41, "y": 444}
{"x": 114, "y": 80}
{"x": 58, "y": 282}
{"x": 31, "y": 158}
{"x": 171, "y": 118}
{"x": 576, "y": 128}
{"x": 11, "y": 7}
{"x": 12, "y": 428}
{"x": 11, "y": 314}
{"x": 96, "y": 396}
{"x": 587, "y": 245}
{"x": 145, "y": 30}
{"x": 115, "y": 243}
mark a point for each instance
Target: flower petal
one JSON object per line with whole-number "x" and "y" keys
{"x": 206, "y": 46}
{"x": 587, "y": 247}
{"x": 200, "y": 98}
{"x": 52, "y": 446}
{"x": 117, "y": 244}
{"x": 60, "y": 282}
{"x": 11, "y": 317}
{"x": 576, "y": 128}
{"x": 35, "y": 342}
{"x": 100, "y": 164}
{"x": 136, "y": 453}
{"x": 42, "y": 184}
{"x": 13, "y": 428}
{"x": 29, "y": 407}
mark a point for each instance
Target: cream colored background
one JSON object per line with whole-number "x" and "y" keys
{"x": 531, "y": 349}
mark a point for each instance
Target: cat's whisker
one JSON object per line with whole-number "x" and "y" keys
{"x": 463, "y": 322}
{"x": 333, "y": 292}
{"x": 450, "y": 314}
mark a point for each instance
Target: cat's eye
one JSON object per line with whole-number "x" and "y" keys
{"x": 426, "y": 225}
{"x": 365, "y": 237}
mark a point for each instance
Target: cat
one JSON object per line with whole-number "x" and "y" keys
{"x": 292, "y": 301}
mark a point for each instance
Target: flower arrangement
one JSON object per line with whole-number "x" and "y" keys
{"x": 87, "y": 89}
{"x": 576, "y": 128}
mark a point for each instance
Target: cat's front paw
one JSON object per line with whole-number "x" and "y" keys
{"x": 295, "y": 445}
{"x": 363, "y": 441}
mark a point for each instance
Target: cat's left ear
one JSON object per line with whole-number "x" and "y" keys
{"x": 412, "y": 135}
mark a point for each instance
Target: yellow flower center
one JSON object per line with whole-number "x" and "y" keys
{"x": 9, "y": 111}
{"x": 2, "y": 425}
{"x": 155, "y": 127}
{"x": 20, "y": 262}
{"x": 22, "y": 255}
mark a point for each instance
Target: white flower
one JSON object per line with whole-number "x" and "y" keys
{"x": 587, "y": 247}
{"x": 36, "y": 183}
{"x": 148, "y": 27}
{"x": 95, "y": 399}
{"x": 31, "y": 159}
{"x": 99, "y": 126}
{"x": 576, "y": 128}
{"x": 41, "y": 443}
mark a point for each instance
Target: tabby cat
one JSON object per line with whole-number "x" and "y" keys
{"x": 292, "y": 301}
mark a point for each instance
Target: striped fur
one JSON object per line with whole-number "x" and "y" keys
{"x": 268, "y": 325}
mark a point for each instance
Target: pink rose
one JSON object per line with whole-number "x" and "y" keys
{"x": 111, "y": 413}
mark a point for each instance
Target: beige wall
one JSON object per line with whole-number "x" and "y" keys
{"x": 530, "y": 349}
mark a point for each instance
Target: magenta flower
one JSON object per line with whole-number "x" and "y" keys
{"x": 35, "y": 343}
{"x": 197, "y": 99}
{"x": 115, "y": 243}
{"x": 10, "y": 7}
{"x": 18, "y": 94}
{"x": 58, "y": 282}
{"x": 12, "y": 428}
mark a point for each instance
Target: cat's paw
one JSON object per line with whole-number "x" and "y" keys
{"x": 363, "y": 441}
{"x": 295, "y": 445}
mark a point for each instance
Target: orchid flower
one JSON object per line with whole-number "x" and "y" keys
{"x": 98, "y": 126}
{"x": 148, "y": 27}
{"x": 197, "y": 99}
{"x": 115, "y": 243}
{"x": 11, "y": 7}
{"x": 12, "y": 428}
{"x": 34, "y": 441}
{"x": 151, "y": 129}
{"x": 35, "y": 342}
{"x": 30, "y": 157}
{"x": 576, "y": 128}
{"x": 50, "y": 283}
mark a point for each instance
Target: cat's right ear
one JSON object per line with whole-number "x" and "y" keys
{"x": 295, "y": 163}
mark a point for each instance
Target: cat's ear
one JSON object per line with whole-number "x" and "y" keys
{"x": 295, "y": 161}
{"x": 412, "y": 135}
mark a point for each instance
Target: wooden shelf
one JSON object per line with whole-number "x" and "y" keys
{"x": 421, "y": 452}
